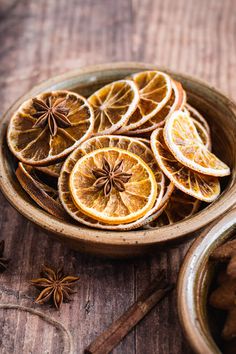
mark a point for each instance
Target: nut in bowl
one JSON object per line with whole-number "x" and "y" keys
{"x": 206, "y": 289}
{"x": 121, "y": 139}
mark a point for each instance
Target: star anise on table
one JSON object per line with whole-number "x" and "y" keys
{"x": 3, "y": 261}
{"x": 52, "y": 114}
{"x": 108, "y": 177}
{"x": 54, "y": 286}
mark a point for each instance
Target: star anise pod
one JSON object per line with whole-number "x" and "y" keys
{"x": 52, "y": 114}
{"x": 108, "y": 177}
{"x": 3, "y": 261}
{"x": 54, "y": 286}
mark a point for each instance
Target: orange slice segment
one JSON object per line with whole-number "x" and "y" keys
{"x": 195, "y": 114}
{"x": 48, "y": 127}
{"x": 184, "y": 142}
{"x": 155, "y": 90}
{"x": 169, "y": 189}
{"x": 202, "y": 130}
{"x": 52, "y": 170}
{"x": 150, "y": 215}
{"x": 134, "y": 145}
{"x": 141, "y": 222}
{"x": 200, "y": 186}
{"x": 145, "y": 141}
{"x": 179, "y": 207}
{"x": 113, "y": 104}
{"x": 43, "y": 194}
{"x": 113, "y": 186}
{"x": 177, "y": 101}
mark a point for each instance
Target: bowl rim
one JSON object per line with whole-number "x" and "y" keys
{"x": 106, "y": 237}
{"x": 191, "y": 284}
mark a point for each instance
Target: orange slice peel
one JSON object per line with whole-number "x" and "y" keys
{"x": 186, "y": 145}
{"x": 52, "y": 170}
{"x": 200, "y": 186}
{"x": 155, "y": 89}
{"x": 194, "y": 113}
{"x": 179, "y": 207}
{"x": 202, "y": 128}
{"x": 42, "y": 193}
{"x": 177, "y": 101}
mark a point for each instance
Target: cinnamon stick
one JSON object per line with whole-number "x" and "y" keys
{"x": 111, "y": 337}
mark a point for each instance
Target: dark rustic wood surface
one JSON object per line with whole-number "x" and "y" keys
{"x": 42, "y": 38}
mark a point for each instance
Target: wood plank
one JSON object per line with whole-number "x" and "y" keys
{"x": 44, "y": 38}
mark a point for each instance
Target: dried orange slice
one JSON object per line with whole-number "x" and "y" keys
{"x": 145, "y": 141}
{"x": 184, "y": 142}
{"x": 151, "y": 215}
{"x": 49, "y": 126}
{"x": 201, "y": 129}
{"x": 155, "y": 90}
{"x": 198, "y": 116}
{"x": 113, "y": 186}
{"x": 177, "y": 101}
{"x": 113, "y": 104}
{"x": 43, "y": 194}
{"x": 52, "y": 170}
{"x": 169, "y": 189}
{"x": 134, "y": 145}
{"x": 200, "y": 186}
{"x": 179, "y": 207}
{"x": 202, "y": 132}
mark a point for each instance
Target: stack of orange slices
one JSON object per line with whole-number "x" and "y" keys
{"x": 134, "y": 154}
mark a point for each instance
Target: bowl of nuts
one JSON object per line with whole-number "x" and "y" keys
{"x": 206, "y": 289}
{"x": 118, "y": 158}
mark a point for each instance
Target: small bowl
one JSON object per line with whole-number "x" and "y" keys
{"x": 195, "y": 279}
{"x": 218, "y": 109}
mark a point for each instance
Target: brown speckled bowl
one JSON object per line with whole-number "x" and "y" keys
{"x": 195, "y": 279}
{"x": 218, "y": 109}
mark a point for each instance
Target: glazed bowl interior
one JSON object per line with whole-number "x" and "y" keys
{"x": 218, "y": 110}
{"x": 196, "y": 278}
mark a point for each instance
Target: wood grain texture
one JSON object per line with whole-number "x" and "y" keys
{"x": 42, "y": 38}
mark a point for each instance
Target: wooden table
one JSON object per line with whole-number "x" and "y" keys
{"x": 42, "y": 38}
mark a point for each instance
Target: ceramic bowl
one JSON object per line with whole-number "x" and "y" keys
{"x": 195, "y": 279}
{"x": 220, "y": 112}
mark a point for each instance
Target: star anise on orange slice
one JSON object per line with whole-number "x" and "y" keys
{"x": 46, "y": 128}
{"x": 52, "y": 114}
{"x": 139, "y": 147}
{"x": 108, "y": 177}
{"x": 54, "y": 285}
{"x": 117, "y": 207}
